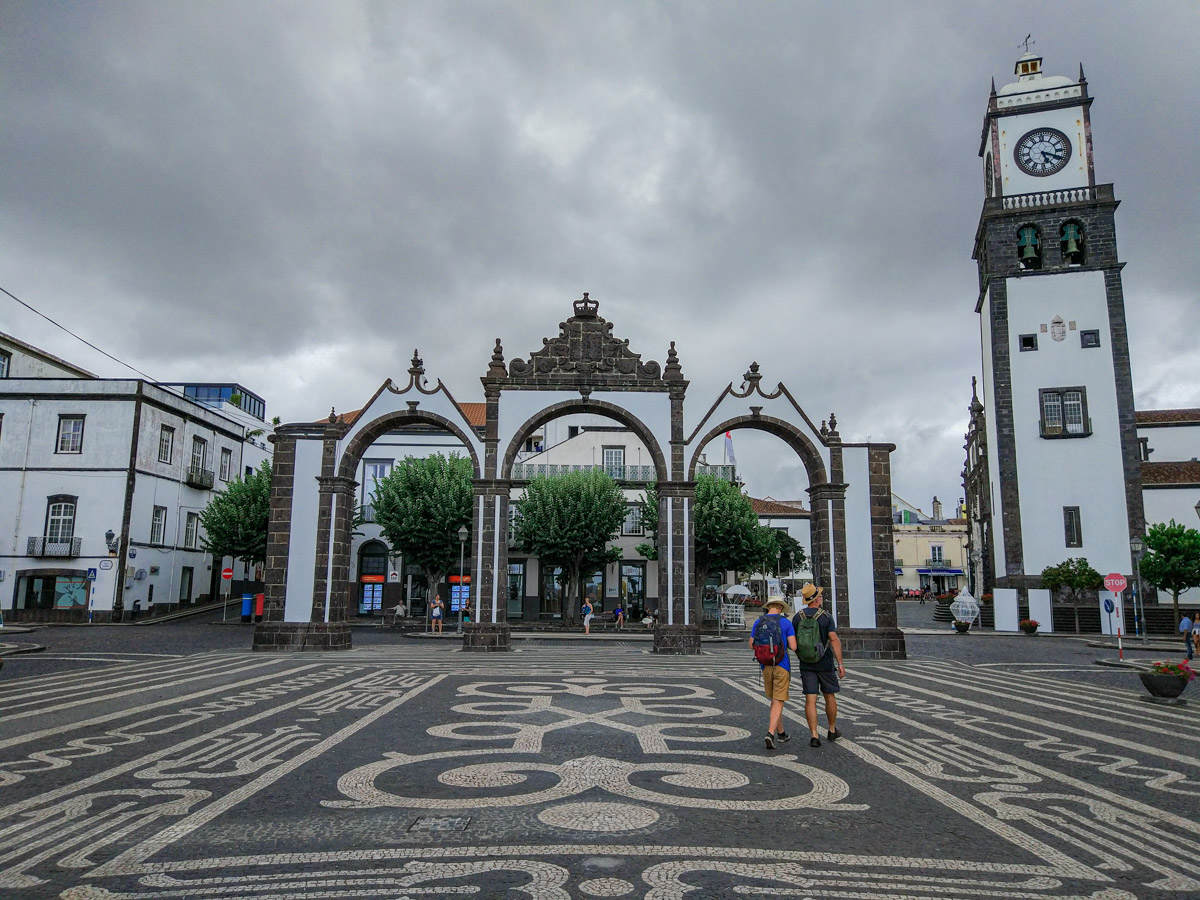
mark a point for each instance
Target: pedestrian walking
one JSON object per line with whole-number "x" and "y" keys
{"x": 1195, "y": 637}
{"x": 1189, "y": 638}
{"x": 819, "y": 651}
{"x": 771, "y": 638}
{"x": 587, "y": 615}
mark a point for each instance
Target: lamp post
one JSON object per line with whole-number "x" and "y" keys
{"x": 113, "y": 544}
{"x": 463, "y": 534}
{"x": 1137, "y": 549}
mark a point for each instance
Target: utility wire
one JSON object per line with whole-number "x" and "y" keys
{"x": 77, "y": 337}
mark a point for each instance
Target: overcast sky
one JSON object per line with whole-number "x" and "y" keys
{"x": 295, "y": 195}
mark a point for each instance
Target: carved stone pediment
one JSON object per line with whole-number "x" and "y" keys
{"x": 585, "y": 351}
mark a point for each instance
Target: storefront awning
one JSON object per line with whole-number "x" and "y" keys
{"x": 940, "y": 572}
{"x": 899, "y": 571}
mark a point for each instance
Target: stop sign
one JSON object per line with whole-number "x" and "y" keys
{"x": 1114, "y": 582}
{"x": 227, "y": 574}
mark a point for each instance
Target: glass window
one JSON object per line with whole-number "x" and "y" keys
{"x": 70, "y": 592}
{"x": 373, "y": 470}
{"x": 158, "y": 526}
{"x": 633, "y": 520}
{"x": 614, "y": 462}
{"x": 5, "y": 363}
{"x": 60, "y": 521}
{"x": 1051, "y": 411}
{"x": 516, "y": 590}
{"x": 199, "y": 452}
{"x": 1089, "y": 338}
{"x": 552, "y": 591}
{"x": 191, "y": 530}
{"x": 166, "y": 443}
{"x": 935, "y": 553}
{"x": 1072, "y": 404}
{"x": 70, "y": 434}
{"x": 372, "y": 573}
{"x": 593, "y": 589}
{"x": 1072, "y": 526}
{"x": 226, "y": 462}
{"x": 633, "y": 589}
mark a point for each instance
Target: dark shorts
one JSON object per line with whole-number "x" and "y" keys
{"x": 819, "y": 681}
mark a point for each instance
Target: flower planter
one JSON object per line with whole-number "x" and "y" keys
{"x": 1029, "y": 629}
{"x": 1163, "y": 685}
{"x": 962, "y": 627}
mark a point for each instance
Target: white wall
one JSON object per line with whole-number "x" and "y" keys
{"x": 860, "y": 563}
{"x": 1172, "y": 443}
{"x": 1086, "y": 472}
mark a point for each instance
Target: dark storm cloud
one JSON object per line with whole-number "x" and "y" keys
{"x": 297, "y": 195}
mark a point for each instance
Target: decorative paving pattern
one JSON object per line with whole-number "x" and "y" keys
{"x": 394, "y": 774}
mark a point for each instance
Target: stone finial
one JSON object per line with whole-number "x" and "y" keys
{"x": 332, "y": 416}
{"x": 496, "y": 369}
{"x": 752, "y": 377}
{"x": 832, "y": 423}
{"x": 418, "y": 366}
{"x": 673, "y": 370}
{"x": 824, "y": 428}
{"x": 976, "y": 407}
{"x": 585, "y": 308}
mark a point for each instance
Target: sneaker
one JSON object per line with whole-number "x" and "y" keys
{"x": 834, "y": 735}
{"x": 769, "y": 740}
{"x": 783, "y": 737}
{"x": 814, "y": 742}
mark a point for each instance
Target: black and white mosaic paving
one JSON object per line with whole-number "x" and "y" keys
{"x": 415, "y": 771}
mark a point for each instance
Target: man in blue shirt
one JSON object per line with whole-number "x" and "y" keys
{"x": 776, "y": 678}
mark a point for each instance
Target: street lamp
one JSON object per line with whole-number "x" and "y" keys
{"x": 113, "y": 544}
{"x": 463, "y": 534}
{"x": 1137, "y": 548}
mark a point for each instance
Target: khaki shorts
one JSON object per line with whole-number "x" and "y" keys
{"x": 776, "y": 680}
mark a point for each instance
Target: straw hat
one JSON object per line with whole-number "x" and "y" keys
{"x": 810, "y": 592}
{"x": 784, "y": 607}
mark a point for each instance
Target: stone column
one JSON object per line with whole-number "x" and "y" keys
{"x": 279, "y": 526}
{"x": 885, "y": 640}
{"x": 677, "y": 631}
{"x": 489, "y": 630}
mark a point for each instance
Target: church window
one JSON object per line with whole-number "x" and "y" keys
{"x": 1089, "y": 338}
{"x": 1064, "y": 412}
{"x": 1072, "y": 526}
{"x": 1029, "y": 247}
{"x": 1028, "y": 342}
{"x": 1071, "y": 238}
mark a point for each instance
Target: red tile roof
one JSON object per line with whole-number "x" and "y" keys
{"x": 778, "y": 508}
{"x": 476, "y": 414}
{"x": 1167, "y": 416}
{"x": 1169, "y": 473}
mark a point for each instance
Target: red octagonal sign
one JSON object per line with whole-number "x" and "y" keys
{"x": 1114, "y": 582}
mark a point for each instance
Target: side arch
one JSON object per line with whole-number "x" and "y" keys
{"x": 352, "y": 454}
{"x": 590, "y": 407}
{"x": 785, "y": 431}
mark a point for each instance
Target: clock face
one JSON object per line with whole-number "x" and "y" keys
{"x": 1043, "y": 151}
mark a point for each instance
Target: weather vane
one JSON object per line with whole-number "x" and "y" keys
{"x": 1025, "y": 43}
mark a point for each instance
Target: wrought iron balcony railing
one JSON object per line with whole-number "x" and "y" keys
{"x": 199, "y": 478}
{"x": 43, "y": 546}
{"x": 638, "y": 474}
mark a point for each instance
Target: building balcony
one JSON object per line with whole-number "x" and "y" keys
{"x": 897, "y": 562}
{"x": 941, "y": 563}
{"x": 199, "y": 478}
{"x": 42, "y": 546}
{"x": 635, "y": 474}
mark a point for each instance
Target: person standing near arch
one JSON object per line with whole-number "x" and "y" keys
{"x": 435, "y": 613}
{"x": 587, "y": 615}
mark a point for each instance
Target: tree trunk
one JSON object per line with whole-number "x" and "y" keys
{"x": 1175, "y": 605}
{"x": 698, "y": 605}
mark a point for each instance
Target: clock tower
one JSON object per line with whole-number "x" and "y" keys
{"x": 1060, "y": 469}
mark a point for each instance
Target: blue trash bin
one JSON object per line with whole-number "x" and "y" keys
{"x": 247, "y": 607}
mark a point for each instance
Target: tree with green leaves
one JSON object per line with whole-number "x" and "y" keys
{"x": 235, "y": 520}
{"x": 419, "y": 507}
{"x": 1074, "y": 575}
{"x": 783, "y": 552}
{"x": 1172, "y": 560}
{"x": 725, "y": 532}
{"x": 567, "y": 521}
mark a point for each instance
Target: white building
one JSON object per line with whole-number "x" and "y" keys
{"x": 107, "y": 478}
{"x": 1059, "y": 464}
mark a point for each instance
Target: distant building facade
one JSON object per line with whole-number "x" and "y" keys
{"x": 102, "y": 482}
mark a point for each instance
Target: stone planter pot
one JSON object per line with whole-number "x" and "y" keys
{"x": 1161, "y": 685}
{"x": 1029, "y": 629}
{"x": 962, "y": 627}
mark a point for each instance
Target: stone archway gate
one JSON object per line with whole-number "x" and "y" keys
{"x": 582, "y": 370}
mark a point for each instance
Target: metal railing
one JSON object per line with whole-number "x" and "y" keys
{"x": 941, "y": 563}
{"x": 43, "y": 546}
{"x": 201, "y": 478}
{"x": 638, "y": 474}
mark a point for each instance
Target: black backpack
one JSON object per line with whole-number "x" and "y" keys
{"x": 768, "y": 644}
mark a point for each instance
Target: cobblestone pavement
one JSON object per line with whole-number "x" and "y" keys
{"x": 172, "y": 762}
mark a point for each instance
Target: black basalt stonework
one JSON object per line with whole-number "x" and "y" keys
{"x": 679, "y": 640}
{"x": 302, "y": 636}
{"x": 486, "y": 637}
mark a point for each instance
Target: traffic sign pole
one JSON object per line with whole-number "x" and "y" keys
{"x": 1115, "y": 582}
